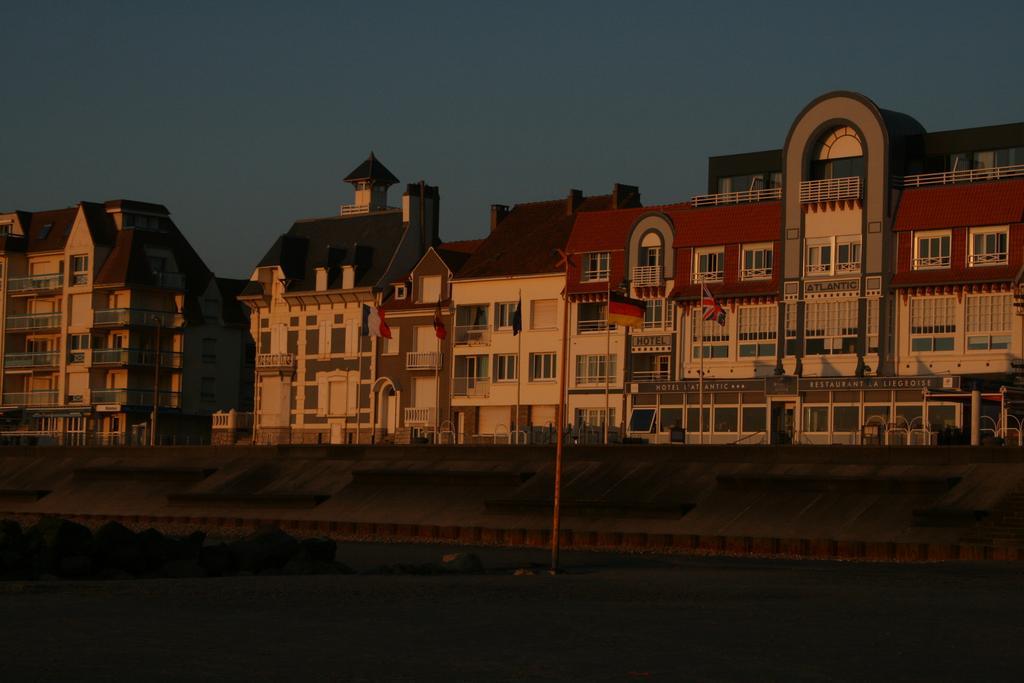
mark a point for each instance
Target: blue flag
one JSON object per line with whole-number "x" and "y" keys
{"x": 517, "y": 318}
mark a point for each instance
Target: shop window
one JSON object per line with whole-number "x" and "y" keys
{"x": 716, "y": 337}
{"x": 830, "y": 327}
{"x": 756, "y": 331}
{"x": 989, "y": 321}
{"x": 693, "y": 423}
{"x": 670, "y": 418}
{"x": 593, "y": 417}
{"x": 876, "y": 415}
{"x": 908, "y": 416}
{"x": 642, "y": 421}
{"x": 754, "y": 419}
{"x": 815, "y": 419}
{"x": 726, "y": 419}
{"x": 845, "y": 418}
{"x": 932, "y": 323}
{"x": 941, "y": 417}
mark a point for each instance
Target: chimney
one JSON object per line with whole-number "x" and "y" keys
{"x": 573, "y": 201}
{"x": 625, "y": 196}
{"x": 421, "y": 211}
{"x": 498, "y": 213}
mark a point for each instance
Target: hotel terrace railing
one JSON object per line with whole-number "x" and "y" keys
{"x": 38, "y": 359}
{"x": 848, "y": 267}
{"x": 830, "y": 189}
{"x": 35, "y": 283}
{"x": 818, "y": 268}
{"x": 755, "y": 273}
{"x": 422, "y": 360}
{"x": 994, "y": 259}
{"x": 647, "y": 276}
{"x": 472, "y": 334}
{"x": 969, "y": 175}
{"x": 651, "y": 375}
{"x": 33, "y": 321}
{"x": 275, "y": 361}
{"x": 591, "y": 325}
{"x": 737, "y": 197}
{"x": 116, "y": 317}
{"x": 136, "y": 397}
{"x": 168, "y": 359}
{"x": 359, "y": 209}
{"x": 419, "y": 417}
{"x": 708, "y": 276}
{"x": 31, "y": 398}
{"x": 931, "y": 262}
{"x": 471, "y": 387}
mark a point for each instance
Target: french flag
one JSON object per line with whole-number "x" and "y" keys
{"x": 373, "y": 323}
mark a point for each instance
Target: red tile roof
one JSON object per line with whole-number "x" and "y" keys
{"x": 608, "y": 230}
{"x": 968, "y": 204}
{"x": 958, "y": 272}
{"x": 731, "y": 224}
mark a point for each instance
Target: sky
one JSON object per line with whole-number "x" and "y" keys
{"x": 243, "y": 117}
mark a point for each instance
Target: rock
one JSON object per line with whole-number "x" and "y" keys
{"x": 183, "y": 568}
{"x": 75, "y": 566}
{"x": 160, "y": 550}
{"x": 318, "y": 549}
{"x": 118, "y": 547}
{"x": 268, "y": 548}
{"x": 462, "y": 563}
{"x": 215, "y": 559}
{"x": 53, "y": 539}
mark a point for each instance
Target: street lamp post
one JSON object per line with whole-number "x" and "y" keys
{"x": 156, "y": 380}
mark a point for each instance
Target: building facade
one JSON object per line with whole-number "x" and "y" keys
{"x": 107, "y": 311}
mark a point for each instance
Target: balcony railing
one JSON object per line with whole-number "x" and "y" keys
{"x": 275, "y": 361}
{"x": 422, "y": 360}
{"x": 359, "y": 209}
{"x": 472, "y": 334}
{"x": 118, "y": 317}
{"x": 136, "y": 397}
{"x": 818, "y": 268}
{"x": 755, "y": 273}
{"x": 38, "y": 359}
{"x": 969, "y": 175}
{"x": 830, "y": 189}
{"x": 471, "y": 387}
{"x": 993, "y": 259}
{"x": 931, "y": 262}
{"x": 708, "y": 276}
{"x": 737, "y": 197}
{"x": 651, "y": 375}
{"x": 33, "y": 321}
{"x": 848, "y": 267}
{"x": 591, "y": 325}
{"x": 31, "y": 398}
{"x": 169, "y": 280}
{"x": 647, "y": 276}
{"x": 34, "y": 283}
{"x": 168, "y": 359}
{"x": 419, "y": 417}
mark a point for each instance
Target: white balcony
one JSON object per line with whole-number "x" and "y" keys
{"x": 422, "y": 360}
{"x": 818, "y": 269}
{"x": 970, "y": 175}
{"x": 419, "y": 417}
{"x": 275, "y": 361}
{"x": 472, "y": 334}
{"x": 583, "y": 326}
{"x": 471, "y": 387}
{"x": 35, "y": 283}
{"x": 737, "y": 197}
{"x": 33, "y": 321}
{"x": 648, "y": 276}
{"x": 848, "y": 267}
{"x": 993, "y": 259}
{"x": 925, "y": 262}
{"x": 755, "y": 274}
{"x": 831, "y": 189}
{"x": 708, "y": 276}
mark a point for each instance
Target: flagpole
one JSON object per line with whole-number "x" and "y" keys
{"x": 437, "y": 383}
{"x": 560, "y": 438}
{"x": 519, "y": 359}
{"x": 607, "y": 355}
{"x": 359, "y": 384}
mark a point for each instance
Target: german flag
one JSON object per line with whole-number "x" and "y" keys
{"x": 625, "y": 311}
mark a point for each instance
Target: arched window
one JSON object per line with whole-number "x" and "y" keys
{"x": 840, "y": 154}
{"x": 651, "y": 250}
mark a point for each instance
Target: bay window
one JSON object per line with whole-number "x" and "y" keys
{"x": 932, "y": 323}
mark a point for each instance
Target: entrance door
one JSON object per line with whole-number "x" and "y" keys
{"x": 783, "y": 419}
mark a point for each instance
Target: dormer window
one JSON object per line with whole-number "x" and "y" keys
{"x": 709, "y": 264}
{"x": 757, "y": 262}
{"x": 596, "y": 267}
{"x": 987, "y": 247}
{"x": 931, "y": 250}
{"x": 429, "y": 290}
{"x": 401, "y": 292}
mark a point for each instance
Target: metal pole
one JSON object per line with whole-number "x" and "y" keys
{"x": 700, "y": 381}
{"x": 156, "y": 380}
{"x": 519, "y": 362}
{"x": 559, "y": 442}
{"x": 607, "y": 355}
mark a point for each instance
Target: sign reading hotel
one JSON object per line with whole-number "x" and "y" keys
{"x": 691, "y": 385}
{"x": 651, "y": 343}
{"x": 832, "y": 287}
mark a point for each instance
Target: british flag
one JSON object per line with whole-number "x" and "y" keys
{"x": 712, "y": 309}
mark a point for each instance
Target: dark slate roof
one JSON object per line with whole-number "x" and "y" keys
{"x": 371, "y": 169}
{"x": 101, "y": 224}
{"x": 232, "y": 310}
{"x": 524, "y": 242}
{"x": 368, "y": 242}
{"x": 455, "y": 254}
{"x": 48, "y": 230}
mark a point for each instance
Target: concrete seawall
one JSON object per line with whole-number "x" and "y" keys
{"x": 875, "y": 503}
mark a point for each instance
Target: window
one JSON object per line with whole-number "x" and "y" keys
{"x": 400, "y": 292}
{"x": 472, "y": 377}
{"x": 670, "y": 418}
{"x": 654, "y": 314}
{"x": 595, "y": 266}
{"x": 754, "y": 419}
{"x": 709, "y": 265}
{"x": 595, "y": 369}
{"x": 543, "y": 314}
{"x": 694, "y": 422}
{"x": 819, "y": 259}
{"x": 209, "y": 350}
{"x": 642, "y": 421}
{"x": 471, "y": 324}
{"x": 932, "y": 250}
{"x": 211, "y": 310}
{"x": 430, "y": 289}
{"x": 591, "y": 317}
{"x": 650, "y": 255}
{"x": 872, "y": 326}
{"x": 542, "y": 367}
{"x": 593, "y": 417}
{"x": 6, "y": 229}
{"x": 506, "y": 367}
{"x": 848, "y": 256}
{"x": 208, "y": 389}
{"x": 992, "y": 158}
{"x": 815, "y": 419}
{"x": 44, "y": 231}
{"x": 78, "y": 342}
{"x": 80, "y": 269}
{"x": 756, "y": 331}
{"x": 716, "y": 337}
{"x": 988, "y": 247}
{"x": 791, "y": 329}
{"x": 726, "y": 419}
{"x": 989, "y": 321}
{"x": 757, "y": 262}
{"x": 932, "y": 323}
{"x": 748, "y": 183}
{"x": 830, "y": 327}
{"x": 504, "y": 312}
{"x": 845, "y": 418}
